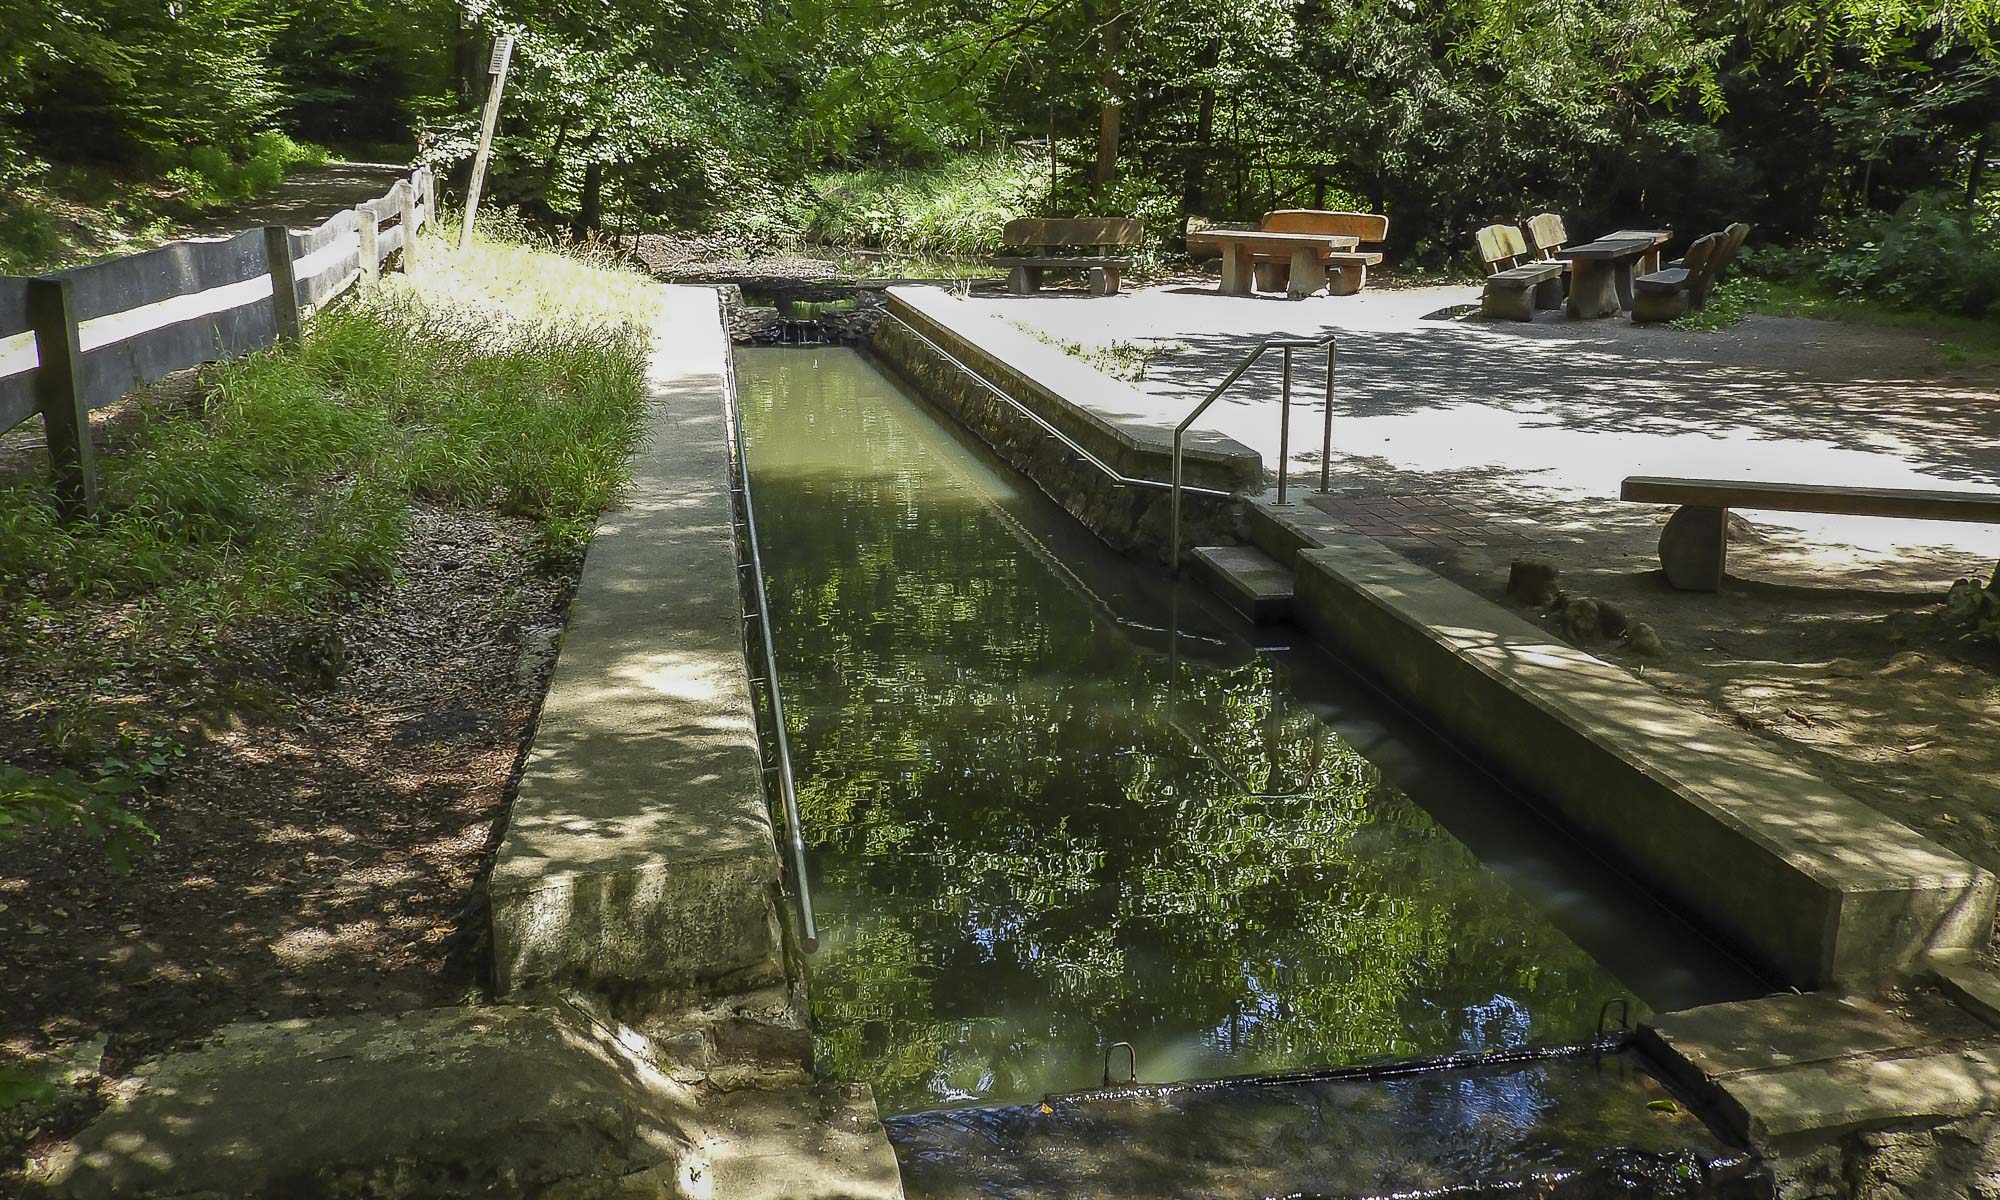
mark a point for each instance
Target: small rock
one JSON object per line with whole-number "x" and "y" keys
{"x": 1611, "y": 619}
{"x": 1533, "y": 582}
{"x": 1641, "y": 639}
{"x": 1844, "y": 668}
{"x": 1581, "y": 618}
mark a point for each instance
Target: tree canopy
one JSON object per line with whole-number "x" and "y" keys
{"x": 1448, "y": 115}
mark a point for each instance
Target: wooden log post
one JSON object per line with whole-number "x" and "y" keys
{"x": 284, "y": 282}
{"x": 366, "y": 225}
{"x": 59, "y": 393}
{"x": 406, "y": 200}
{"x": 503, "y": 51}
{"x": 1694, "y": 548}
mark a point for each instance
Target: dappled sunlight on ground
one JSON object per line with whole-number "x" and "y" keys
{"x": 1572, "y": 407}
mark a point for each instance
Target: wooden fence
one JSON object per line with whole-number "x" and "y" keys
{"x": 77, "y": 340}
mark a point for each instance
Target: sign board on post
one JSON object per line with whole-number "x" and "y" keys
{"x": 503, "y": 50}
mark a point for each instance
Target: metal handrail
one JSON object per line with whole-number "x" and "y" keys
{"x": 1288, "y": 345}
{"x": 788, "y": 790}
{"x": 1075, "y": 447}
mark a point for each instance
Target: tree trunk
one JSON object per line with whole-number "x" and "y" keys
{"x": 1108, "y": 39}
{"x": 1976, "y": 178}
{"x": 1194, "y": 178}
{"x": 590, "y": 203}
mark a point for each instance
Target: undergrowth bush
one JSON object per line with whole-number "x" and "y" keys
{"x": 1933, "y": 253}
{"x": 954, "y": 209}
{"x": 212, "y": 175}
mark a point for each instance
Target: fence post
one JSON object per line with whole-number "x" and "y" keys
{"x": 406, "y": 196}
{"x": 284, "y": 282}
{"x": 59, "y": 393}
{"x": 364, "y": 224}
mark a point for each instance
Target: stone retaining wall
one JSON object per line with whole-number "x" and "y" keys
{"x": 1133, "y": 520}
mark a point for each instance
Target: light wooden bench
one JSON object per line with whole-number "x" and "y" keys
{"x": 1308, "y": 252}
{"x": 1694, "y": 547}
{"x": 1046, "y": 242}
{"x": 1517, "y": 284}
{"x": 1666, "y": 294}
{"x": 1341, "y": 272}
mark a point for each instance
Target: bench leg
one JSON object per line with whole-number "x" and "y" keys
{"x": 1346, "y": 279}
{"x": 1506, "y": 304}
{"x": 1694, "y": 548}
{"x": 1649, "y": 308}
{"x": 1549, "y": 294}
{"x": 1305, "y": 275}
{"x": 1024, "y": 281}
{"x": 1269, "y": 276}
{"x": 1235, "y": 270}
{"x": 1592, "y": 291}
{"x": 1104, "y": 281}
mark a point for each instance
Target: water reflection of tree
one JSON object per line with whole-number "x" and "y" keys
{"x": 1018, "y": 858}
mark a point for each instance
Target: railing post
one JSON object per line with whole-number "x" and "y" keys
{"x": 1285, "y": 427}
{"x": 284, "y": 282}
{"x": 59, "y": 392}
{"x": 406, "y": 199}
{"x": 365, "y": 225}
{"x": 1326, "y": 439}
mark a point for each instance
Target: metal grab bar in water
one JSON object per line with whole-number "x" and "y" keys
{"x": 788, "y": 790}
{"x": 1076, "y": 448}
{"x": 1288, "y": 345}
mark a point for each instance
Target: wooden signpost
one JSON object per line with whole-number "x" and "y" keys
{"x": 503, "y": 50}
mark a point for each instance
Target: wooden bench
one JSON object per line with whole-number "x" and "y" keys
{"x": 1694, "y": 547}
{"x": 1341, "y": 272}
{"x": 1308, "y": 252}
{"x": 1052, "y": 245}
{"x": 1517, "y": 284}
{"x": 1666, "y": 294}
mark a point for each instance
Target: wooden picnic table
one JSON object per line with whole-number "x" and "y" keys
{"x": 1649, "y": 262}
{"x": 1307, "y": 250}
{"x": 1600, "y": 275}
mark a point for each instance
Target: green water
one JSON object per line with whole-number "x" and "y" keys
{"x": 1050, "y": 805}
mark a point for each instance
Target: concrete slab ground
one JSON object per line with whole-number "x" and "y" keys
{"x": 1784, "y": 1070}
{"x": 551, "y": 1102}
{"x": 639, "y": 860}
{"x": 1558, "y": 410}
{"x": 1813, "y": 884}
{"x": 487, "y": 1101}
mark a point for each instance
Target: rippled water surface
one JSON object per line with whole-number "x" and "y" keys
{"x": 1051, "y": 804}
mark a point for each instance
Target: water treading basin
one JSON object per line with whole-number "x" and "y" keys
{"x": 1052, "y": 802}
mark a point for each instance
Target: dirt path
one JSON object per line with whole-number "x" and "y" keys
{"x": 305, "y": 198}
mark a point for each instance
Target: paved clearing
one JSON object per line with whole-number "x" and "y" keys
{"x": 1466, "y": 444}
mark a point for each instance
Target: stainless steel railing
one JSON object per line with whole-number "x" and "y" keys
{"x": 1288, "y": 345}
{"x": 788, "y": 790}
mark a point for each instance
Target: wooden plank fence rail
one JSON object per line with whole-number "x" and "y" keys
{"x": 77, "y": 340}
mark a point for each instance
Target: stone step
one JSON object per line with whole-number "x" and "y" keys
{"x": 1789, "y": 1070}
{"x": 1248, "y": 580}
{"x": 820, "y": 1143}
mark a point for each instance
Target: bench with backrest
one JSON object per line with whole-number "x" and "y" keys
{"x": 1517, "y": 283}
{"x": 1547, "y": 234}
{"x": 1684, "y": 285}
{"x": 1076, "y": 244}
{"x": 1694, "y": 547}
{"x": 1341, "y": 272}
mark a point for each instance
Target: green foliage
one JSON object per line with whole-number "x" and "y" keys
{"x": 1932, "y": 253}
{"x": 1731, "y": 301}
{"x": 42, "y": 804}
{"x": 954, "y": 209}
{"x": 1976, "y": 606}
{"x": 210, "y": 175}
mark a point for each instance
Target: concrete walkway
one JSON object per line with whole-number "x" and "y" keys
{"x": 1565, "y": 409}
{"x": 640, "y": 859}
